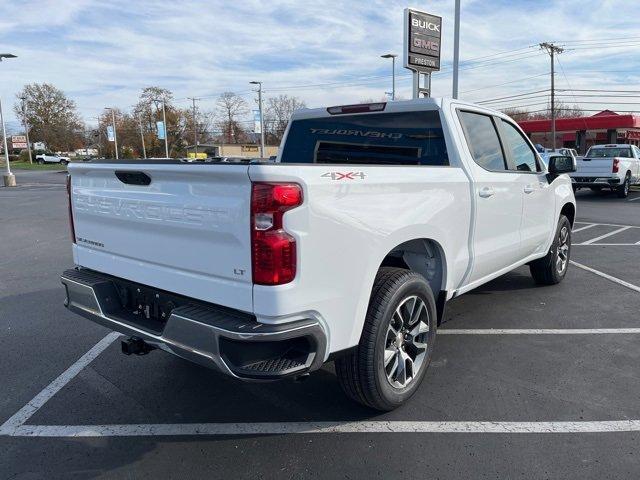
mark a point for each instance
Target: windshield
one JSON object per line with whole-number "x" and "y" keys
{"x": 609, "y": 152}
{"x": 411, "y": 138}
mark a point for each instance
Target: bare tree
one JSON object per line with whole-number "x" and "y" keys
{"x": 51, "y": 116}
{"x": 279, "y": 111}
{"x": 229, "y": 108}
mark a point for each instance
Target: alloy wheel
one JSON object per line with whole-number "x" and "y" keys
{"x": 562, "y": 258}
{"x": 406, "y": 342}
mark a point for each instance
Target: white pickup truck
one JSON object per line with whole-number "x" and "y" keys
{"x": 345, "y": 249}
{"x": 43, "y": 158}
{"x": 614, "y": 167}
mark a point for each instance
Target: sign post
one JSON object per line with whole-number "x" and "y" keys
{"x": 422, "y": 35}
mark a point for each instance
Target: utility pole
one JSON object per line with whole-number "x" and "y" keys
{"x": 456, "y": 49}
{"x": 552, "y": 49}
{"x": 115, "y": 135}
{"x": 261, "y": 119}
{"x": 195, "y": 127}
{"x": 26, "y": 126}
{"x": 144, "y": 149}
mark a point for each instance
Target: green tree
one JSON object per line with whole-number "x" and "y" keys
{"x": 51, "y": 116}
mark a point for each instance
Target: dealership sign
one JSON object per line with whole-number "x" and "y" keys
{"x": 18, "y": 142}
{"x": 422, "y": 34}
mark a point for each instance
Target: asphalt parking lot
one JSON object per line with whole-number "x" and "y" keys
{"x": 526, "y": 381}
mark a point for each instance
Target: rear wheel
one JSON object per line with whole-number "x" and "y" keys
{"x": 64, "y": 162}
{"x": 40, "y": 161}
{"x": 552, "y": 268}
{"x": 623, "y": 190}
{"x": 397, "y": 341}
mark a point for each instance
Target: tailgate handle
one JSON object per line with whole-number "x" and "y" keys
{"x": 133, "y": 178}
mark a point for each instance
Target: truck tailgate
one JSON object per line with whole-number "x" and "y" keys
{"x": 593, "y": 167}
{"x": 187, "y": 231}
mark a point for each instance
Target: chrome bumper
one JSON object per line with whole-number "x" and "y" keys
{"x": 229, "y": 341}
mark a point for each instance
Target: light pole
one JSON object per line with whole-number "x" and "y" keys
{"x": 9, "y": 178}
{"x": 392, "y": 56}
{"x": 115, "y": 135}
{"x": 26, "y": 125}
{"x": 195, "y": 127}
{"x": 144, "y": 148}
{"x": 261, "y": 119}
{"x": 456, "y": 49}
{"x": 164, "y": 125}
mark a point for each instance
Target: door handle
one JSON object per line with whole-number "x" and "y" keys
{"x": 528, "y": 189}
{"x": 486, "y": 192}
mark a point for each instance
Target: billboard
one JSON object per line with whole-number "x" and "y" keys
{"x": 18, "y": 142}
{"x": 422, "y": 35}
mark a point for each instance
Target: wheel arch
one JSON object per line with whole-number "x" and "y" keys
{"x": 426, "y": 257}
{"x": 569, "y": 211}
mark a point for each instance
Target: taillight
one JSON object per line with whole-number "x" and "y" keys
{"x": 71, "y": 226}
{"x": 616, "y": 162}
{"x": 273, "y": 251}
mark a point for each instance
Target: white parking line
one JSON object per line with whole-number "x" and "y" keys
{"x": 634, "y": 199}
{"x": 280, "y": 428}
{"x": 606, "y": 235}
{"x": 607, "y": 276}
{"x": 607, "y": 224}
{"x": 605, "y": 244}
{"x": 536, "y": 331}
{"x": 26, "y": 412}
{"x": 575, "y": 230}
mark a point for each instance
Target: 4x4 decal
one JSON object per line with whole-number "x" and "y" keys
{"x": 344, "y": 175}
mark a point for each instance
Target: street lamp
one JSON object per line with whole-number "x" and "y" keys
{"x": 392, "y": 56}
{"x": 9, "y": 178}
{"x": 261, "y": 120}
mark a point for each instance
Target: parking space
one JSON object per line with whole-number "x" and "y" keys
{"x": 513, "y": 360}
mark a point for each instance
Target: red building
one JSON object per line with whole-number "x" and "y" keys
{"x": 582, "y": 132}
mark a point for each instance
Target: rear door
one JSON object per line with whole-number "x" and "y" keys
{"x": 538, "y": 203}
{"x": 496, "y": 242}
{"x": 181, "y": 227}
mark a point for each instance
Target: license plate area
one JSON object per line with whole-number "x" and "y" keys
{"x": 145, "y": 307}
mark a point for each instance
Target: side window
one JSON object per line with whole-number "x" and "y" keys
{"x": 482, "y": 138}
{"x": 523, "y": 156}
{"x": 637, "y": 151}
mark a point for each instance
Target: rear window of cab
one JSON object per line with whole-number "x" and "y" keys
{"x": 404, "y": 138}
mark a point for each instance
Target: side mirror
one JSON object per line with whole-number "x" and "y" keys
{"x": 561, "y": 164}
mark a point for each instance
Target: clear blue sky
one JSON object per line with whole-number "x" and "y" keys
{"x": 103, "y": 52}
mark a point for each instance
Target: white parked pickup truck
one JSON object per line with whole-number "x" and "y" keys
{"x": 614, "y": 167}
{"x": 345, "y": 249}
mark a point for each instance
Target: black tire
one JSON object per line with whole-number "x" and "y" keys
{"x": 362, "y": 373}
{"x": 623, "y": 190}
{"x": 546, "y": 270}
{"x": 40, "y": 161}
{"x": 63, "y": 162}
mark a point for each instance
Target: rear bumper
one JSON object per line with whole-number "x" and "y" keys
{"x": 595, "y": 181}
{"x": 226, "y": 340}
